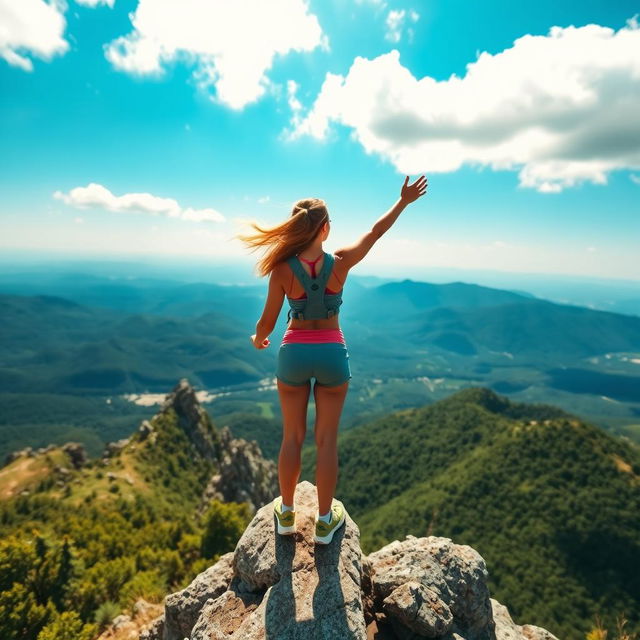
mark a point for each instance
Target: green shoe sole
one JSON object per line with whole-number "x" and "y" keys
{"x": 286, "y": 522}
{"x": 324, "y": 534}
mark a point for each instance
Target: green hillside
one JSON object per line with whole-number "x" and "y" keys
{"x": 81, "y": 539}
{"x": 551, "y": 503}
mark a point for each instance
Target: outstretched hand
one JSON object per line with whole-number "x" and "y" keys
{"x": 411, "y": 192}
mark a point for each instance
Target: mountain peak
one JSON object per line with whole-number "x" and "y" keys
{"x": 484, "y": 397}
{"x": 192, "y": 418}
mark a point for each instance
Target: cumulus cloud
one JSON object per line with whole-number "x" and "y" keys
{"x": 95, "y": 195}
{"x": 31, "y": 27}
{"x": 395, "y": 23}
{"x": 560, "y": 109}
{"x": 230, "y": 44}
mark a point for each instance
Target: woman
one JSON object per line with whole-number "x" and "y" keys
{"x": 313, "y": 345}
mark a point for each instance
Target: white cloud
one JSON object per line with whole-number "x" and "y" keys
{"x": 294, "y": 103}
{"x": 31, "y": 27}
{"x": 231, "y": 44}
{"x": 94, "y": 3}
{"x": 561, "y": 109}
{"x": 95, "y": 195}
{"x": 395, "y": 24}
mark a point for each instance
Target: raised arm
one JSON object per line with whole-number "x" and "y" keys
{"x": 352, "y": 254}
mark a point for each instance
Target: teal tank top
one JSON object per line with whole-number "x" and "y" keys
{"x": 317, "y": 304}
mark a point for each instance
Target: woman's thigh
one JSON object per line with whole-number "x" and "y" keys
{"x": 329, "y": 404}
{"x": 294, "y": 400}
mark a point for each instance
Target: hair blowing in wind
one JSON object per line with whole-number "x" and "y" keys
{"x": 288, "y": 238}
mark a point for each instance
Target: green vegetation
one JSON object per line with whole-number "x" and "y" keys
{"x": 77, "y": 548}
{"x": 224, "y": 524}
{"x": 551, "y": 503}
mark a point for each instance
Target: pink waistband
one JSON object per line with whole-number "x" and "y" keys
{"x": 313, "y": 335}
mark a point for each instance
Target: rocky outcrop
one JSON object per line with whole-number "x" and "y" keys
{"x": 244, "y": 475}
{"x": 192, "y": 419}
{"x": 432, "y": 586}
{"x": 183, "y": 608}
{"x": 286, "y": 588}
{"x": 77, "y": 454}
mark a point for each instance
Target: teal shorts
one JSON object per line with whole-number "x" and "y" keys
{"x": 327, "y": 362}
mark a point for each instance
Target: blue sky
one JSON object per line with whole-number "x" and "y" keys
{"x": 523, "y": 118}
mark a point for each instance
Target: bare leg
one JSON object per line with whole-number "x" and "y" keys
{"x": 329, "y": 403}
{"x": 293, "y": 402}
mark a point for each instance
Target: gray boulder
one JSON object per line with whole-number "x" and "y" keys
{"x": 455, "y": 574}
{"x": 418, "y": 608}
{"x": 284, "y": 587}
{"x": 155, "y": 630}
{"x": 182, "y": 608}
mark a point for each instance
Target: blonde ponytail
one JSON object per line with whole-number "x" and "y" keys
{"x": 290, "y": 237}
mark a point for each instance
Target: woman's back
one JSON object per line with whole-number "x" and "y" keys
{"x": 294, "y": 289}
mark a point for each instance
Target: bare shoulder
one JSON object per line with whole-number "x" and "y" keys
{"x": 280, "y": 273}
{"x": 340, "y": 263}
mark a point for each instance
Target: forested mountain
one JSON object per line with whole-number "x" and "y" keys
{"x": 552, "y": 503}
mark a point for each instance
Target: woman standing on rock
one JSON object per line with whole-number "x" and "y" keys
{"x": 313, "y": 345}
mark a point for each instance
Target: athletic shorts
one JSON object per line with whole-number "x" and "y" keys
{"x": 327, "y": 362}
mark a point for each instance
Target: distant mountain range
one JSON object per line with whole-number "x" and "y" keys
{"x": 76, "y": 277}
{"x": 410, "y": 343}
{"x": 56, "y": 344}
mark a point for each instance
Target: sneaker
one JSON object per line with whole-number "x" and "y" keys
{"x": 286, "y": 519}
{"x": 324, "y": 530}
